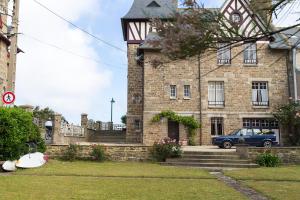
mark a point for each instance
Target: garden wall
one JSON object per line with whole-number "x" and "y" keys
{"x": 288, "y": 155}
{"x": 114, "y": 152}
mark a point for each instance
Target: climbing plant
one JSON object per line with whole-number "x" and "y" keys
{"x": 188, "y": 121}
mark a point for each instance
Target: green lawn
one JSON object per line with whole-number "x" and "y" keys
{"x": 89, "y": 180}
{"x": 276, "y": 183}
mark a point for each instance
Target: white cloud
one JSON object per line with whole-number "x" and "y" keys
{"x": 49, "y": 77}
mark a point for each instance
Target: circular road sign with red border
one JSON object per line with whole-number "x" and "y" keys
{"x": 8, "y": 98}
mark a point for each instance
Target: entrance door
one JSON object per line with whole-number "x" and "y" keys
{"x": 173, "y": 130}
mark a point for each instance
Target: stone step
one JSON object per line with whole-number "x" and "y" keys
{"x": 209, "y": 160}
{"x": 209, "y": 153}
{"x": 229, "y": 157}
{"x": 215, "y": 165}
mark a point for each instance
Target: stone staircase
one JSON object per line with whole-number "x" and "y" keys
{"x": 210, "y": 160}
{"x": 114, "y": 138}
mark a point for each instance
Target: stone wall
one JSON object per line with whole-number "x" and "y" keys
{"x": 114, "y": 152}
{"x": 288, "y": 155}
{"x": 237, "y": 78}
{"x": 134, "y": 96}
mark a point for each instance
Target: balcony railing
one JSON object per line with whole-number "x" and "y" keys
{"x": 250, "y": 61}
{"x": 224, "y": 61}
{"x": 216, "y": 103}
{"x": 260, "y": 103}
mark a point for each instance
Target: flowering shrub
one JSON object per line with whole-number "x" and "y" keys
{"x": 268, "y": 160}
{"x": 98, "y": 153}
{"x": 166, "y": 148}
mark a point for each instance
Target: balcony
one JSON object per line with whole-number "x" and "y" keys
{"x": 260, "y": 103}
{"x": 224, "y": 61}
{"x": 250, "y": 61}
{"x": 218, "y": 104}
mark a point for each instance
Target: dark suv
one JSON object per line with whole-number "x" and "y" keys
{"x": 253, "y": 137}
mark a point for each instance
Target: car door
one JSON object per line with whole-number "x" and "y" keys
{"x": 246, "y": 134}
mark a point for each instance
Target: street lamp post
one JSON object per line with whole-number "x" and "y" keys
{"x": 111, "y": 109}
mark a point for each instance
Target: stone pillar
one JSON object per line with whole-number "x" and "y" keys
{"x": 57, "y": 137}
{"x": 243, "y": 151}
{"x": 98, "y": 125}
{"x": 84, "y": 122}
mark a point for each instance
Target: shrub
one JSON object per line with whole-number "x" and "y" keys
{"x": 16, "y": 130}
{"x": 164, "y": 149}
{"x": 98, "y": 153}
{"x": 70, "y": 154}
{"x": 268, "y": 160}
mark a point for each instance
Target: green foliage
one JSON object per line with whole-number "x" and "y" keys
{"x": 268, "y": 160}
{"x": 164, "y": 149}
{"x": 289, "y": 117}
{"x": 124, "y": 119}
{"x": 188, "y": 121}
{"x": 71, "y": 153}
{"x": 17, "y": 129}
{"x": 98, "y": 153}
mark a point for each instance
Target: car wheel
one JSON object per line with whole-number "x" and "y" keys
{"x": 267, "y": 144}
{"x": 227, "y": 145}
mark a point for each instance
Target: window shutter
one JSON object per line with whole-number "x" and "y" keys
{"x": 254, "y": 95}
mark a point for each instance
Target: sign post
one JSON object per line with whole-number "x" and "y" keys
{"x": 8, "y": 98}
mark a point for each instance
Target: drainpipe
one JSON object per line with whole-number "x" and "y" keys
{"x": 294, "y": 73}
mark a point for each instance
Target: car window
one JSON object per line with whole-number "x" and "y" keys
{"x": 257, "y": 132}
{"x": 245, "y": 132}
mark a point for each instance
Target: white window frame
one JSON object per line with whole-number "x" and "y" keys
{"x": 260, "y": 93}
{"x": 173, "y": 91}
{"x": 224, "y": 54}
{"x": 187, "y": 91}
{"x": 216, "y": 93}
{"x": 250, "y": 53}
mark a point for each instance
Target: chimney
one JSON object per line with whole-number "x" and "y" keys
{"x": 263, "y": 9}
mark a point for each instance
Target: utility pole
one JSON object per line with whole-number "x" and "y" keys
{"x": 11, "y": 76}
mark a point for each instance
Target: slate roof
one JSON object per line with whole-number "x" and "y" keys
{"x": 141, "y": 10}
{"x": 287, "y": 39}
{"x": 148, "y": 43}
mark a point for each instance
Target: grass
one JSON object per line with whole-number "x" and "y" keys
{"x": 114, "y": 181}
{"x": 275, "y": 183}
{"x": 114, "y": 169}
{"x": 291, "y": 173}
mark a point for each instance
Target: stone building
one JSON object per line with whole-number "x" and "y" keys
{"x": 4, "y": 48}
{"x": 234, "y": 87}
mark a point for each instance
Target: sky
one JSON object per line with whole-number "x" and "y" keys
{"x": 69, "y": 71}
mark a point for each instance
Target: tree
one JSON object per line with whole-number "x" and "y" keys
{"x": 289, "y": 117}
{"x": 17, "y": 130}
{"x": 124, "y": 119}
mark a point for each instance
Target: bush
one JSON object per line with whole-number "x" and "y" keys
{"x": 70, "y": 154}
{"x": 164, "y": 149}
{"x": 268, "y": 160}
{"x": 16, "y": 131}
{"x": 98, "y": 153}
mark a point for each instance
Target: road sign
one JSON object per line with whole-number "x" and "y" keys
{"x": 8, "y": 98}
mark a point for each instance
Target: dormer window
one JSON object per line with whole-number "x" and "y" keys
{"x": 153, "y": 4}
{"x": 236, "y": 18}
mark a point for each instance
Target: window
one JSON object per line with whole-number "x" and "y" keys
{"x": 187, "y": 91}
{"x": 216, "y": 94}
{"x": 224, "y": 53}
{"x": 236, "y": 18}
{"x": 260, "y": 94}
{"x": 250, "y": 53}
{"x": 217, "y": 126}
{"x": 173, "y": 91}
{"x": 137, "y": 124}
{"x": 263, "y": 123}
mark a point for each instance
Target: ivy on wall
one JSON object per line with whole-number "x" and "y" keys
{"x": 188, "y": 121}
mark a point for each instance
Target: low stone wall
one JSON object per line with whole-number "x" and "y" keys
{"x": 288, "y": 155}
{"x": 114, "y": 152}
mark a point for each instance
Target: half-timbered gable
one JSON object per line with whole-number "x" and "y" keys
{"x": 238, "y": 14}
{"x": 136, "y": 23}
